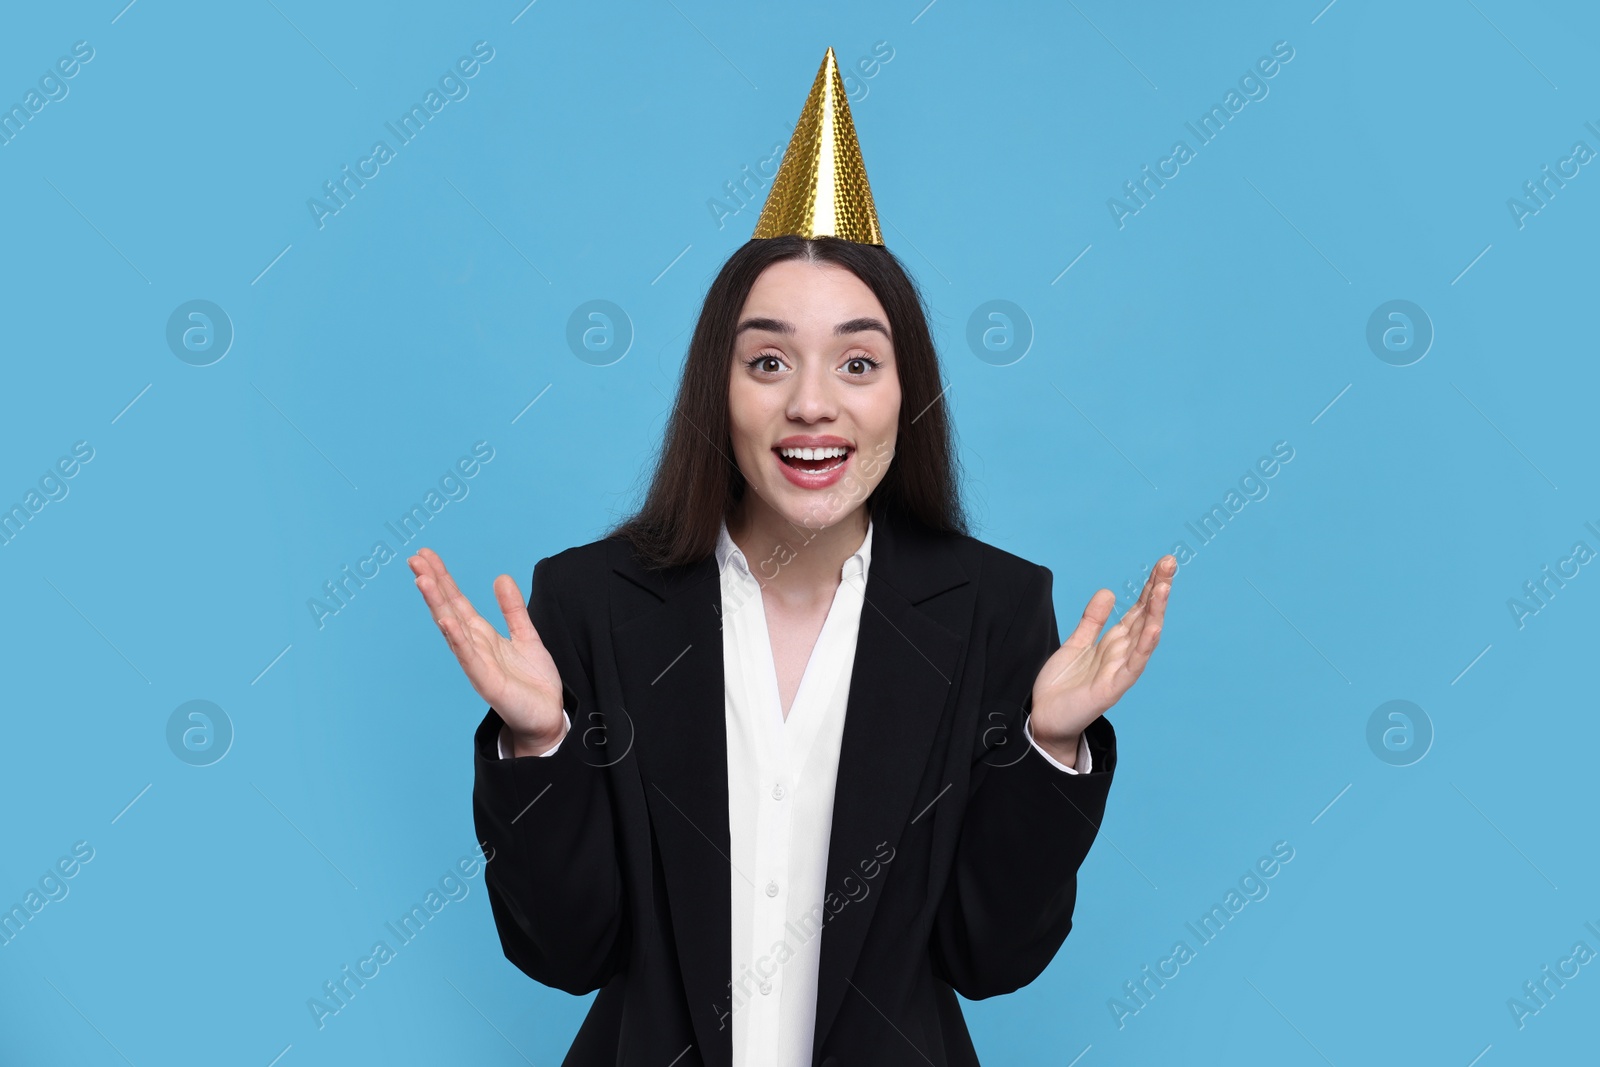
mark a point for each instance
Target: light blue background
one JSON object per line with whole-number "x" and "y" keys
{"x": 1228, "y": 314}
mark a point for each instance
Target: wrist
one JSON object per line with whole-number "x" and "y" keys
{"x": 535, "y": 744}
{"x": 1062, "y": 749}
{"x": 1064, "y": 752}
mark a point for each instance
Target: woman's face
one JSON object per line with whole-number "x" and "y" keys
{"x": 813, "y": 366}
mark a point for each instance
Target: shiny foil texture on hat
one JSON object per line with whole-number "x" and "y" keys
{"x": 821, "y": 188}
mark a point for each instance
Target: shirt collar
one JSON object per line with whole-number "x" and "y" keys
{"x": 855, "y": 566}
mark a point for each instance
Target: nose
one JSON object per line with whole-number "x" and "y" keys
{"x": 812, "y": 397}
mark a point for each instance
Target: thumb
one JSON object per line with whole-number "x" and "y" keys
{"x": 1094, "y": 619}
{"x": 515, "y": 609}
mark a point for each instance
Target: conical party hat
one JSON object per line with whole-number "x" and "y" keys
{"x": 821, "y": 187}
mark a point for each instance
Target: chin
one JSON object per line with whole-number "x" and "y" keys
{"x": 814, "y": 514}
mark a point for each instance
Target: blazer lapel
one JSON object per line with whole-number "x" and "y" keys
{"x": 905, "y": 666}
{"x": 669, "y": 664}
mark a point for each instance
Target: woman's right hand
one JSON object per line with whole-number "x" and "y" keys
{"x": 516, "y": 676}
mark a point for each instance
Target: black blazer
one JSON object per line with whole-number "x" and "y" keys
{"x": 952, "y": 865}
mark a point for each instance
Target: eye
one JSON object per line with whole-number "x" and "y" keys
{"x": 757, "y": 362}
{"x": 869, "y": 363}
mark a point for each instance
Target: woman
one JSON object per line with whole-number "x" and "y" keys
{"x": 864, "y": 728}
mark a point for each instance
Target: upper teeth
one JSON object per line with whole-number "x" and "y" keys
{"x": 831, "y": 452}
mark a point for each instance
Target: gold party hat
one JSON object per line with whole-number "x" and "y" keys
{"x": 821, "y": 187}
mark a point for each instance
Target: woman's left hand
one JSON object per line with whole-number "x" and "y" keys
{"x": 1083, "y": 678}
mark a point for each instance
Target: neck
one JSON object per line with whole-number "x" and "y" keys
{"x": 798, "y": 562}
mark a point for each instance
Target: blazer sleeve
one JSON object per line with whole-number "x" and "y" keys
{"x": 1007, "y": 906}
{"x": 555, "y": 882}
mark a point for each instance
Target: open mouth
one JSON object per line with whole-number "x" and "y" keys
{"x": 814, "y": 460}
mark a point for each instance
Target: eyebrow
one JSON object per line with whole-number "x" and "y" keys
{"x": 858, "y": 325}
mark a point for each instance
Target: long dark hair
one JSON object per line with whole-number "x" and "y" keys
{"x": 697, "y": 484}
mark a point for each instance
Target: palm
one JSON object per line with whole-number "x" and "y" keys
{"x": 515, "y": 675}
{"x": 1084, "y": 677}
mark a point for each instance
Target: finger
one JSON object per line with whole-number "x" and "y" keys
{"x": 425, "y": 560}
{"x": 1130, "y": 618}
{"x": 1131, "y": 667}
{"x": 1151, "y": 610}
{"x": 1143, "y": 644}
{"x": 427, "y": 564}
{"x": 455, "y": 600}
{"x": 450, "y": 629}
{"x": 430, "y": 582}
{"x": 1163, "y": 571}
{"x": 454, "y": 628}
{"x": 476, "y": 645}
{"x": 1156, "y": 603}
{"x": 420, "y": 564}
{"x": 1160, "y": 577}
{"x": 1109, "y": 670}
{"x": 427, "y": 583}
{"x": 469, "y": 636}
{"x": 447, "y": 585}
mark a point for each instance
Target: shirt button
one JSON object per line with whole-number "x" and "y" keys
{"x": 772, "y": 889}
{"x": 766, "y": 987}
{"x": 777, "y": 791}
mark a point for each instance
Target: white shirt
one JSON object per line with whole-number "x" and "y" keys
{"x": 781, "y": 777}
